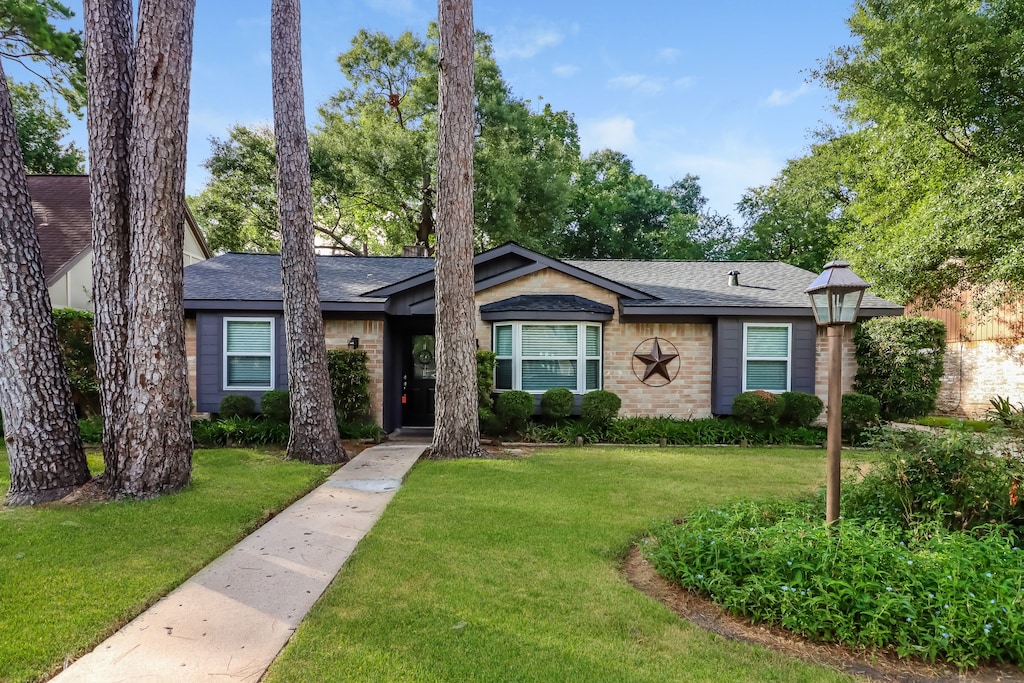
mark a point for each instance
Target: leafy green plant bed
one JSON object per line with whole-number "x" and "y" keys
{"x": 696, "y": 432}
{"x": 70, "y": 575}
{"x": 926, "y": 592}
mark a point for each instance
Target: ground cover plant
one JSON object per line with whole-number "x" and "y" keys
{"x": 925, "y": 560}
{"x": 508, "y": 570}
{"x": 71, "y": 575}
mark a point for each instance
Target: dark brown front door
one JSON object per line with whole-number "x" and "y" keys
{"x": 419, "y": 381}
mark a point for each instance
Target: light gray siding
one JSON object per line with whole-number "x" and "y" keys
{"x": 210, "y": 358}
{"x": 727, "y": 365}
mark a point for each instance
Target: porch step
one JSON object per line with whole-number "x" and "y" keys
{"x": 412, "y": 434}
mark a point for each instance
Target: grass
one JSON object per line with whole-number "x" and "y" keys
{"x": 71, "y": 575}
{"x": 950, "y": 422}
{"x": 508, "y": 570}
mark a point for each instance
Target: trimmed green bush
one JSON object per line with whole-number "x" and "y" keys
{"x": 74, "y": 336}
{"x": 557, "y": 403}
{"x": 350, "y": 383}
{"x": 236, "y": 405}
{"x": 275, "y": 406}
{"x": 361, "y": 430}
{"x": 759, "y": 408}
{"x": 899, "y": 362}
{"x": 238, "y": 431}
{"x": 600, "y": 407}
{"x": 485, "y": 361}
{"x": 676, "y": 432}
{"x": 800, "y": 409}
{"x": 859, "y": 412}
{"x": 514, "y": 408}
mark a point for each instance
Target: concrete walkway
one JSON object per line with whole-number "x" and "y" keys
{"x": 229, "y": 621}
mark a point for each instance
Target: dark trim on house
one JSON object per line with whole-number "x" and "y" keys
{"x": 210, "y": 357}
{"x": 634, "y": 313}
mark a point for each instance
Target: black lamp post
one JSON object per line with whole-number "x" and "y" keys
{"x": 835, "y": 299}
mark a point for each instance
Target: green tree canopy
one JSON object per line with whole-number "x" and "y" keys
{"x": 41, "y": 127}
{"x": 373, "y": 159}
{"x": 29, "y": 36}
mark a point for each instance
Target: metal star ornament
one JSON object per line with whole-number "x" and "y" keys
{"x": 656, "y": 362}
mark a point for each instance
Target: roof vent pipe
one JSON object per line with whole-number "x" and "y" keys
{"x": 734, "y": 278}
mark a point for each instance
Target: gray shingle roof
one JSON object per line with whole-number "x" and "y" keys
{"x": 63, "y": 216}
{"x": 257, "y": 277}
{"x": 559, "y": 303}
{"x": 762, "y": 284}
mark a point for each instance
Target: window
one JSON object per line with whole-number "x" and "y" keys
{"x": 249, "y": 353}
{"x": 538, "y": 356}
{"x": 766, "y": 356}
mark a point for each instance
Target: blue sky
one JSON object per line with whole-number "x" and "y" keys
{"x": 717, "y": 89}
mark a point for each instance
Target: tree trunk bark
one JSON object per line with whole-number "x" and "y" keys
{"x": 110, "y": 58}
{"x": 456, "y": 422}
{"x": 40, "y": 427}
{"x": 157, "y": 427}
{"x": 313, "y": 435}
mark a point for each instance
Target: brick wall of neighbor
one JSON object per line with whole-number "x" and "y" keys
{"x": 976, "y": 371}
{"x": 190, "y": 356}
{"x": 821, "y": 363}
{"x": 371, "y": 340}
{"x": 688, "y": 395}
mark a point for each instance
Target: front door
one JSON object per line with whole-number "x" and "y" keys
{"x": 418, "y": 382}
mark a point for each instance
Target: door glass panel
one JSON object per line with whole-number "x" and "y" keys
{"x": 423, "y": 366}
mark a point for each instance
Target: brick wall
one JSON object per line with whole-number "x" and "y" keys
{"x": 821, "y": 363}
{"x": 976, "y": 371}
{"x": 371, "y": 340}
{"x": 688, "y": 395}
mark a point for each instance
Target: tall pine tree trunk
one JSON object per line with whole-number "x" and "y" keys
{"x": 157, "y": 427}
{"x": 110, "y": 55}
{"x": 456, "y": 425}
{"x": 40, "y": 428}
{"x": 313, "y": 433}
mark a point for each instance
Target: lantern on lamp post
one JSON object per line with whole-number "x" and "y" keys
{"x": 835, "y": 299}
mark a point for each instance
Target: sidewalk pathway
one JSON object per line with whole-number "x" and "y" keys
{"x": 229, "y": 621}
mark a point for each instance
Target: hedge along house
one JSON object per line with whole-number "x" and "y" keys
{"x": 671, "y": 338}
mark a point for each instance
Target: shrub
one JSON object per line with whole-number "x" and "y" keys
{"x": 514, "y": 408}
{"x": 934, "y": 594}
{"x": 600, "y": 407}
{"x": 1003, "y": 411}
{"x": 899, "y": 362}
{"x": 238, "y": 431}
{"x": 236, "y": 405}
{"x": 758, "y": 408}
{"x": 91, "y": 429}
{"x": 274, "y": 406}
{"x": 557, "y": 403}
{"x": 799, "y": 409}
{"x": 361, "y": 430}
{"x": 350, "y": 383}
{"x": 74, "y": 336}
{"x": 859, "y": 412}
{"x": 953, "y": 477}
{"x": 485, "y": 361}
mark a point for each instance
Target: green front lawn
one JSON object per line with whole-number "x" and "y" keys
{"x": 70, "y": 576}
{"x": 508, "y": 570}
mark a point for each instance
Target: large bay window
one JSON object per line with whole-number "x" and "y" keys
{"x": 249, "y": 354}
{"x": 535, "y": 356}
{"x": 767, "y": 356}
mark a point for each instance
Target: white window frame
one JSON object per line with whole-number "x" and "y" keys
{"x": 227, "y": 354}
{"x": 789, "y": 355}
{"x": 581, "y": 356}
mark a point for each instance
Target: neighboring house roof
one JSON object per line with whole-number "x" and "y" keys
{"x": 63, "y": 216}
{"x": 646, "y": 288}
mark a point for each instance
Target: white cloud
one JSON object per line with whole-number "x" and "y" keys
{"x": 684, "y": 82}
{"x": 639, "y": 83}
{"x": 669, "y": 55}
{"x": 523, "y": 43}
{"x": 781, "y": 98}
{"x": 565, "y": 70}
{"x": 617, "y": 132}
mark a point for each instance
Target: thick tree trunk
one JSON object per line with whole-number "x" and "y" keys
{"x": 43, "y": 443}
{"x": 313, "y": 433}
{"x": 157, "y": 428}
{"x": 456, "y": 427}
{"x": 110, "y": 57}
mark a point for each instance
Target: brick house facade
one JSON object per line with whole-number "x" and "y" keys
{"x": 671, "y": 338}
